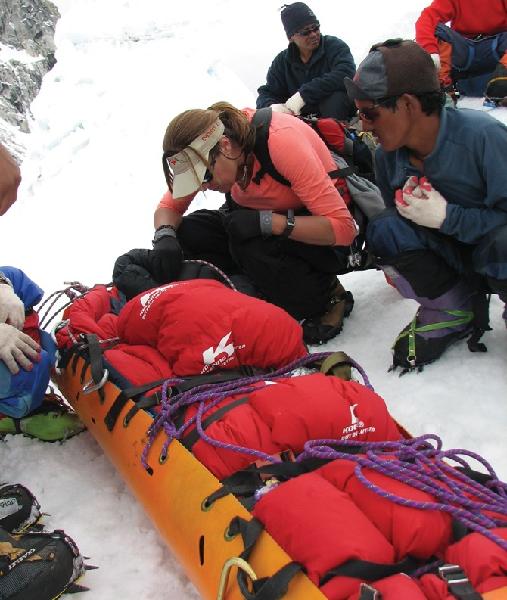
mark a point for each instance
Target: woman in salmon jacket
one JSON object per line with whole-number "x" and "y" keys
{"x": 289, "y": 239}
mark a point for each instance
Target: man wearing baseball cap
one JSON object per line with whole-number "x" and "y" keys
{"x": 443, "y": 176}
{"x": 307, "y": 77}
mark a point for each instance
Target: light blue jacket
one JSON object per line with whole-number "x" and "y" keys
{"x": 24, "y": 392}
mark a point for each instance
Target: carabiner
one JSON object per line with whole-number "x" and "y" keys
{"x": 90, "y": 387}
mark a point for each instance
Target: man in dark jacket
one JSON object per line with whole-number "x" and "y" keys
{"x": 307, "y": 77}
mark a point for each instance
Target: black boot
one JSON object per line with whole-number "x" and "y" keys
{"x": 321, "y": 329}
{"x": 38, "y": 566}
{"x": 19, "y": 508}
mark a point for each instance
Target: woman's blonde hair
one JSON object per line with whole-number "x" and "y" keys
{"x": 185, "y": 127}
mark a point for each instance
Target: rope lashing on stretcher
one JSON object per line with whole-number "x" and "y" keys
{"x": 208, "y": 396}
{"x": 73, "y": 290}
{"x": 421, "y": 463}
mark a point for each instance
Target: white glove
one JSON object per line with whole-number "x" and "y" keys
{"x": 11, "y": 307}
{"x": 436, "y": 60}
{"x": 17, "y": 349}
{"x": 295, "y": 103}
{"x": 421, "y": 203}
{"x": 281, "y": 108}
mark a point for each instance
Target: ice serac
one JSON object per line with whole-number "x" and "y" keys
{"x": 27, "y": 53}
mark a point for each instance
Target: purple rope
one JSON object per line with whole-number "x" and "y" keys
{"x": 427, "y": 472}
{"x": 210, "y": 395}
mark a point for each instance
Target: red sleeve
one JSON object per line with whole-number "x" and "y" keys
{"x": 439, "y": 11}
{"x": 301, "y": 162}
{"x": 180, "y": 206}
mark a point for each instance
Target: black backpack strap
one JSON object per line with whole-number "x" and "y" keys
{"x": 261, "y": 121}
{"x": 341, "y": 172}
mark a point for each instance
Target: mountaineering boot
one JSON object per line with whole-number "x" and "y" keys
{"x": 321, "y": 329}
{"x": 437, "y": 324}
{"x": 19, "y": 508}
{"x": 38, "y": 566}
{"x": 52, "y": 421}
{"x": 496, "y": 90}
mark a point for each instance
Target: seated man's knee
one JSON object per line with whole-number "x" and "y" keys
{"x": 337, "y": 106}
{"x": 388, "y": 235}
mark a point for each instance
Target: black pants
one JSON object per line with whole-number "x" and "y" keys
{"x": 337, "y": 105}
{"x": 297, "y": 277}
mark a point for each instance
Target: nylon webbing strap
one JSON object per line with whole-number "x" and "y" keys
{"x": 341, "y": 172}
{"x": 190, "y": 439}
{"x": 96, "y": 361}
{"x": 266, "y": 588}
{"x": 458, "y": 583}
{"x": 247, "y": 481}
{"x": 220, "y": 377}
{"x": 370, "y": 571}
{"x": 123, "y": 397}
{"x": 366, "y": 592}
{"x": 143, "y": 403}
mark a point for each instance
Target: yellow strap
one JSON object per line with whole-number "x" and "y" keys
{"x": 235, "y": 561}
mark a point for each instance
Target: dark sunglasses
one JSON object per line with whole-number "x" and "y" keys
{"x": 371, "y": 113}
{"x": 208, "y": 177}
{"x": 306, "y": 32}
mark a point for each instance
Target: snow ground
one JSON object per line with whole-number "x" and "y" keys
{"x": 91, "y": 180}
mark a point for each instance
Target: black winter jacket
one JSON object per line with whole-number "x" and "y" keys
{"x": 320, "y": 77}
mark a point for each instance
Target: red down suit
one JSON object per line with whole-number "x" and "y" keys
{"x": 338, "y": 520}
{"x": 195, "y": 327}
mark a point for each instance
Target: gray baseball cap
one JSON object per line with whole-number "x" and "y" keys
{"x": 393, "y": 68}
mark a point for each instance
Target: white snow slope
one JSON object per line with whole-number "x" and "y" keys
{"x": 91, "y": 181}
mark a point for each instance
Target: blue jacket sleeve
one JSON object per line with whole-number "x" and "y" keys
{"x": 341, "y": 65}
{"x": 471, "y": 224}
{"x": 275, "y": 90}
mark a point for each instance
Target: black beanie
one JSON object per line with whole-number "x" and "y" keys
{"x": 296, "y": 16}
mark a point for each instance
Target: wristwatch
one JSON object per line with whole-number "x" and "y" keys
{"x": 291, "y": 223}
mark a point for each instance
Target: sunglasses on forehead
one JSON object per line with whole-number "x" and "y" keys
{"x": 371, "y": 113}
{"x": 308, "y": 30}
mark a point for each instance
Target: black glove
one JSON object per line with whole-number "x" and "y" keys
{"x": 131, "y": 273}
{"x": 165, "y": 259}
{"x": 243, "y": 224}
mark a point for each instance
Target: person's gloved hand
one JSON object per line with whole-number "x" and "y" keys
{"x": 295, "y": 103}
{"x": 131, "y": 272}
{"x": 243, "y": 224}
{"x": 420, "y": 202}
{"x": 166, "y": 257}
{"x": 12, "y": 309}
{"x": 436, "y": 60}
{"x": 281, "y": 108}
{"x": 17, "y": 349}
